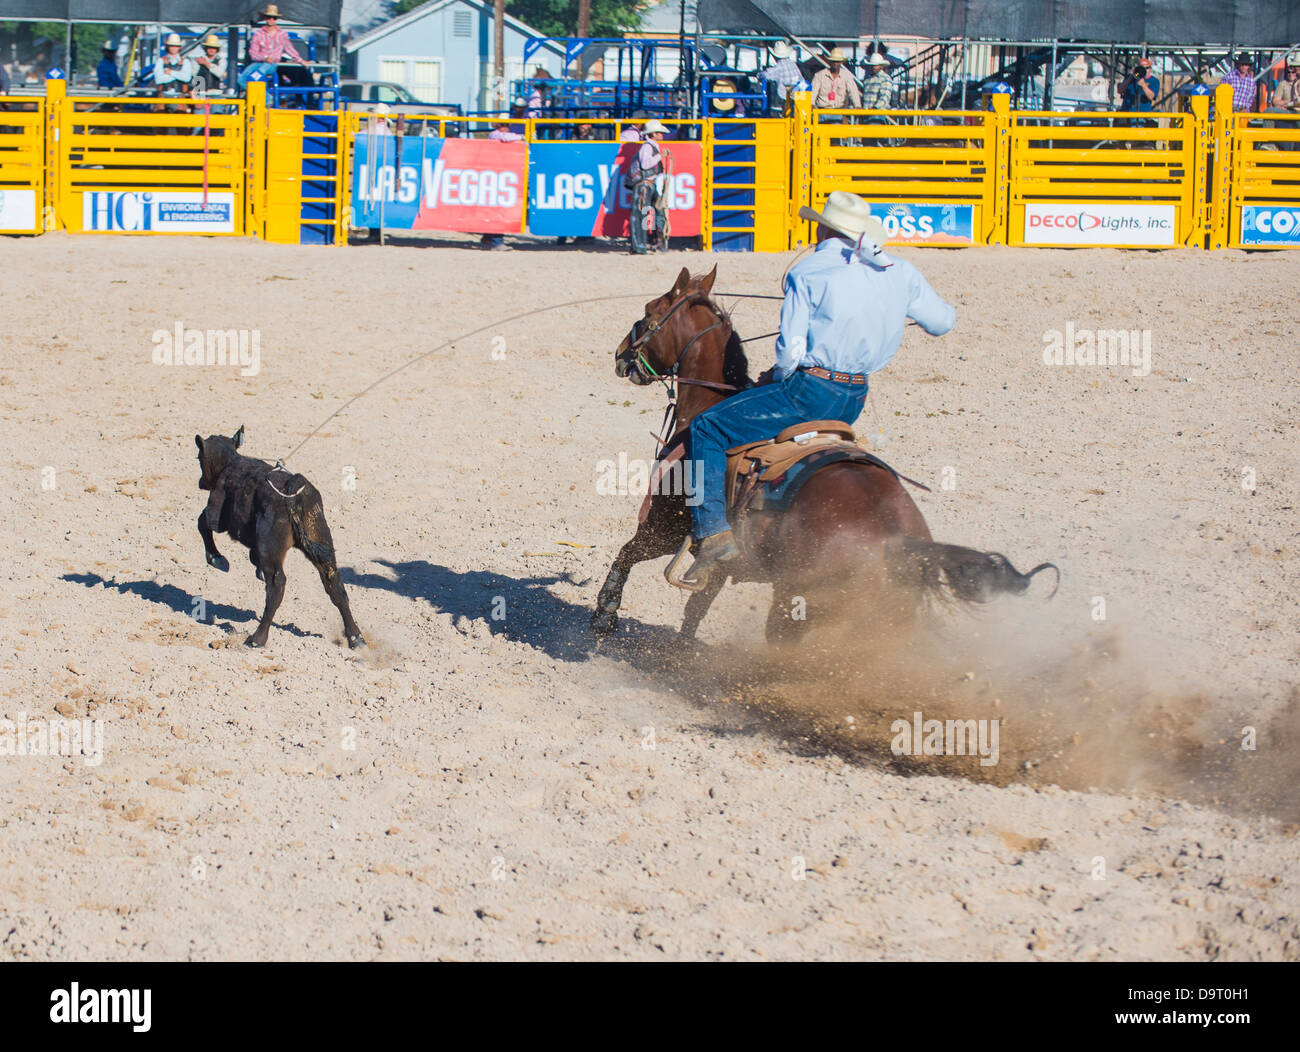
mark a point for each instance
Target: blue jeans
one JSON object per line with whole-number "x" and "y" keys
{"x": 755, "y": 414}
{"x": 265, "y": 68}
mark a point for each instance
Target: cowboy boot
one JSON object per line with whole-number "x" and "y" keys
{"x": 711, "y": 553}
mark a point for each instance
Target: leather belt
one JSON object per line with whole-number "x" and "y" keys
{"x": 839, "y": 378}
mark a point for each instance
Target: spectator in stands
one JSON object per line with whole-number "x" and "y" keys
{"x": 878, "y": 88}
{"x": 268, "y": 45}
{"x": 5, "y": 86}
{"x": 1286, "y": 100}
{"x": 211, "y": 66}
{"x": 1247, "y": 94}
{"x": 172, "y": 73}
{"x": 502, "y": 132}
{"x": 1139, "y": 89}
{"x": 834, "y": 88}
{"x": 106, "y": 74}
{"x": 782, "y": 76}
{"x": 1138, "y": 92}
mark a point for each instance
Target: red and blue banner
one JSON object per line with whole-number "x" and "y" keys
{"x": 575, "y": 189}
{"x": 471, "y": 185}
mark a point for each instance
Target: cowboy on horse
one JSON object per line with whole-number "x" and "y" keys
{"x": 842, "y": 319}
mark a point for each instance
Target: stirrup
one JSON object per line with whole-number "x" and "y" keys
{"x": 671, "y": 571}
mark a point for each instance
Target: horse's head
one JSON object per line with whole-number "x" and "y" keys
{"x": 215, "y": 452}
{"x": 653, "y": 346}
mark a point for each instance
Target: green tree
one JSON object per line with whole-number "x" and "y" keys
{"x": 559, "y": 18}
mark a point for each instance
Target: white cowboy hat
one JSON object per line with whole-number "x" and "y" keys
{"x": 781, "y": 50}
{"x": 651, "y": 126}
{"x": 836, "y": 55}
{"x": 849, "y": 215}
{"x": 173, "y": 40}
{"x": 877, "y": 58}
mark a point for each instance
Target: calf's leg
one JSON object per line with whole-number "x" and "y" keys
{"x": 273, "y": 574}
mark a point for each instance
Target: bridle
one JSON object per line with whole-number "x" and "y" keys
{"x": 639, "y": 340}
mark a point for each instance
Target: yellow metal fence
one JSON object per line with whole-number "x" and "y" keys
{"x": 22, "y": 165}
{"x": 988, "y": 176}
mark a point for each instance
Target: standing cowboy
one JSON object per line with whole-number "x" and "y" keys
{"x": 843, "y": 317}
{"x": 646, "y": 167}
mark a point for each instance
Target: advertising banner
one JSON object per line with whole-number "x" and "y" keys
{"x": 18, "y": 210}
{"x": 1093, "y": 223}
{"x": 470, "y": 185}
{"x": 1264, "y": 225}
{"x": 926, "y": 224}
{"x": 157, "y": 212}
{"x": 576, "y": 189}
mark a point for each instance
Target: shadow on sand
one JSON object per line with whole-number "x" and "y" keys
{"x": 180, "y": 601}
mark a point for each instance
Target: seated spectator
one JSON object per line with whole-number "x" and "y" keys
{"x": 502, "y": 132}
{"x": 211, "y": 76}
{"x": 173, "y": 73}
{"x": 1247, "y": 95}
{"x": 106, "y": 73}
{"x": 782, "y": 76}
{"x": 268, "y": 45}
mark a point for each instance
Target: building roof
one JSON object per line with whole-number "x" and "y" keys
{"x": 417, "y": 13}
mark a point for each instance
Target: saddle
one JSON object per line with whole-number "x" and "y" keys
{"x": 768, "y": 474}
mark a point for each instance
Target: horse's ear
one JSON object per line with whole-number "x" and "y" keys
{"x": 238, "y": 437}
{"x": 683, "y": 279}
{"x": 706, "y": 282}
{"x": 198, "y": 442}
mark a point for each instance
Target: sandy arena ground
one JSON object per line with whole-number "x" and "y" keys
{"x": 515, "y": 790}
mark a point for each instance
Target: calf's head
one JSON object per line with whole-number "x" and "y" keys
{"x": 215, "y": 452}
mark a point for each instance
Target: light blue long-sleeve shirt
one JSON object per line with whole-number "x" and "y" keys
{"x": 848, "y": 316}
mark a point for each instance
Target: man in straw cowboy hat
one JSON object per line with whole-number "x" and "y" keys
{"x": 211, "y": 66}
{"x": 834, "y": 88}
{"x": 843, "y": 317}
{"x": 643, "y": 173}
{"x": 268, "y": 45}
{"x": 172, "y": 72}
{"x": 878, "y": 88}
{"x": 782, "y": 75}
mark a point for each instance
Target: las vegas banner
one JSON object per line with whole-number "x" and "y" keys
{"x": 576, "y": 189}
{"x": 471, "y": 185}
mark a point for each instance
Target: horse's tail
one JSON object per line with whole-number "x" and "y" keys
{"x": 949, "y": 571}
{"x": 307, "y": 517}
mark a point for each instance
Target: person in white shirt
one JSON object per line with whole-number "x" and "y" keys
{"x": 172, "y": 74}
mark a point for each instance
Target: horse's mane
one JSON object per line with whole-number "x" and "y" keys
{"x": 735, "y": 364}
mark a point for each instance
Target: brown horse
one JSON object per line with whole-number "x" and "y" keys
{"x": 852, "y": 531}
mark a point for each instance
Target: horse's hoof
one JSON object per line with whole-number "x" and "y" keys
{"x": 254, "y": 642}
{"x": 356, "y": 641}
{"x": 260, "y": 576}
{"x": 604, "y": 622}
{"x": 220, "y": 562}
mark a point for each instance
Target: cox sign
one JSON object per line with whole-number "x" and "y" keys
{"x": 1270, "y": 225}
{"x": 1100, "y": 224}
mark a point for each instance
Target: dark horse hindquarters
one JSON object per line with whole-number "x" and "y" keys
{"x": 269, "y": 511}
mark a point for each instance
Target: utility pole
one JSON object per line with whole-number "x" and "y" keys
{"x": 499, "y": 33}
{"x": 584, "y": 18}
